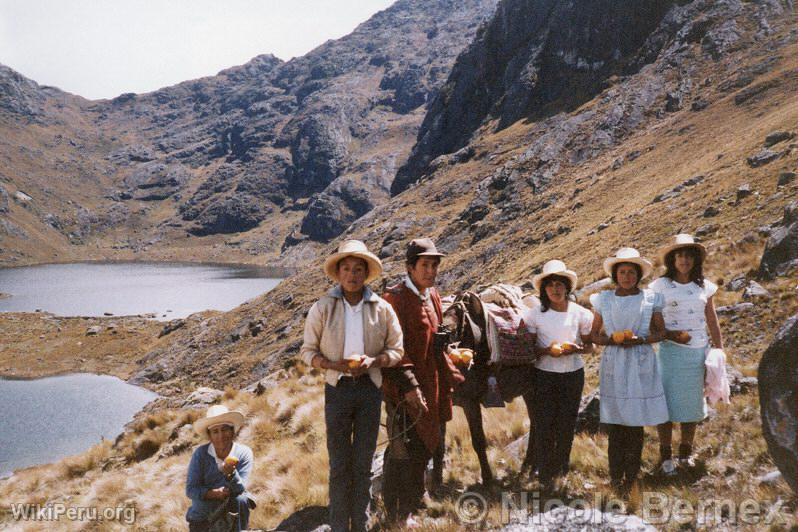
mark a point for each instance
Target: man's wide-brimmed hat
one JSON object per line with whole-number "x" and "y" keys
{"x": 682, "y": 240}
{"x": 554, "y": 267}
{"x": 353, "y": 248}
{"x": 218, "y": 415}
{"x": 628, "y": 255}
{"x": 422, "y": 247}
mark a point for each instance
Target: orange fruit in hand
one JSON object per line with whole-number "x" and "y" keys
{"x": 618, "y": 337}
{"x": 569, "y": 347}
{"x": 556, "y": 350}
{"x": 466, "y": 355}
{"x": 355, "y": 363}
{"x": 454, "y": 356}
{"x": 231, "y": 460}
{"x": 628, "y": 334}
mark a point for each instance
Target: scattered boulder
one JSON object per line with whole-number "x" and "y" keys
{"x": 785, "y": 178}
{"x": 678, "y": 189}
{"x": 171, "y": 327}
{"x": 202, "y": 397}
{"x": 706, "y": 229}
{"x": 778, "y": 387}
{"x": 673, "y": 101}
{"x": 21, "y": 197}
{"x": 256, "y": 327}
{"x": 762, "y": 158}
{"x": 311, "y": 518}
{"x": 737, "y": 284}
{"x": 181, "y": 439}
{"x": 781, "y": 250}
{"x": 743, "y": 191}
{"x": 778, "y": 136}
{"x": 711, "y": 212}
{"x": 94, "y": 330}
{"x": 588, "y": 419}
{"x": 731, "y": 310}
{"x": 739, "y": 383}
{"x": 755, "y": 289}
{"x": 3, "y": 201}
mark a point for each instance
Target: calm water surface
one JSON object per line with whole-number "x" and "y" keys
{"x": 44, "y": 420}
{"x": 91, "y": 289}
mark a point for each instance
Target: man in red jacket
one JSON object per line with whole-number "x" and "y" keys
{"x": 418, "y": 392}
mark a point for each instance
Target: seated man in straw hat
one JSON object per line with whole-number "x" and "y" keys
{"x": 219, "y": 470}
{"x": 351, "y": 333}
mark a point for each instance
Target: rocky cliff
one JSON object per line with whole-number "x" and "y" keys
{"x": 538, "y": 58}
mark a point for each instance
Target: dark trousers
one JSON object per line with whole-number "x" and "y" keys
{"x": 557, "y": 397}
{"x": 624, "y": 451}
{"x": 237, "y": 507}
{"x": 352, "y": 415}
{"x": 406, "y": 459}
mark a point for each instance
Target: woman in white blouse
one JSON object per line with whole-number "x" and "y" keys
{"x": 691, "y": 325}
{"x": 562, "y": 332}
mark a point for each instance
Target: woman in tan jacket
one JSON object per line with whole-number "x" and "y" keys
{"x": 351, "y": 333}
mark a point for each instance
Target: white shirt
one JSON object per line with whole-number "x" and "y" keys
{"x": 424, "y": 296}
{"x": 220, "y": 461}
{"x": 685, "y": 307}
{"x": 353, "y": 330}
{"x": 558, "y": 327}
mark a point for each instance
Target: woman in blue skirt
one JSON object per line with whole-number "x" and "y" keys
{"x": 691, "y": 327}
{"x": 627, "y": 321}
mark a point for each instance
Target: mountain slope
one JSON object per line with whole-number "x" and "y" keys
{"x": 261, "y": 151}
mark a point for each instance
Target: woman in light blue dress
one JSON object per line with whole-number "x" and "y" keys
{"x": 631, "y": 388}
{"x": 691, "y": 325}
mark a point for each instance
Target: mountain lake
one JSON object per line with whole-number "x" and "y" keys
{"x": 164, "y": 290}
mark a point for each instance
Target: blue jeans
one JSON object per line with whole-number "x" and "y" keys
{"x": 237, "y": 505}
{"x": 352, "y": 414}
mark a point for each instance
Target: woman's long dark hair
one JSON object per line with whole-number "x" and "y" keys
{"x": 545, "y": 302}
{"x": 696, "y": 273}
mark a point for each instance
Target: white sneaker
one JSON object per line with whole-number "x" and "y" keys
{"x": 668, "y": 468}
{"x": 687, "y": 463}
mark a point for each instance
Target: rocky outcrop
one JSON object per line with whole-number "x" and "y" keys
{"x": 332, "y": 211}
{"x": 232, "y": 214}
{"x": 778, "y": 387}
{"x": 781, "y": 251}
{"x": 532, "y": 60}
{"x": 3, "y": 201}
{"x": 156, "y": 181}
{"x": 19, "y": 95}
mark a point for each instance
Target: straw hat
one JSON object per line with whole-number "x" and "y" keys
{"x": 681, "y": 241}
{"x": 554, "y": 267}
{"x": 628, "y": 255}
{"x": 353, "y": 248}
{"x": 218, "y": 415}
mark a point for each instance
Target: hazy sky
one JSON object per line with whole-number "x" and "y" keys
{"x": 103, "y": 48}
